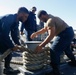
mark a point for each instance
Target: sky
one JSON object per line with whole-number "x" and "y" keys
{"x": 65, "y": 9}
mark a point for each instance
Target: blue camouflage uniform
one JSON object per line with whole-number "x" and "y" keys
{"x": 30, "y": 25}
{"x": 8, "y": 32}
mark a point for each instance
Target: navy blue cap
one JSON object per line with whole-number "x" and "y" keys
{"x": 23, "y": 9}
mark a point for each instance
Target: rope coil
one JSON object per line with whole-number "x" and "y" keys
{"x": 33, "y": 61}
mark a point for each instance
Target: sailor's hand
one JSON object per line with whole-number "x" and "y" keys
{"x": 22, "y": 33}
{"x": 33, "y": 36}
{"x": 16, "y": 47}
{"x": 38, "y": 49}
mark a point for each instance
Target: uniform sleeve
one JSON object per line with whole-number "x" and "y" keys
{"x": 22, "y": 27}
{"x": 6, "y": 27}
{"x": 15, "y": 35}
{"x": 35, "y": 24}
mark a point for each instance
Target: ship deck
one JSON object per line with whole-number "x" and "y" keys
{"x": 16, "y": 63}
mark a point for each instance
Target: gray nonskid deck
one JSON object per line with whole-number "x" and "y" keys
{"x": 64, "y": 68}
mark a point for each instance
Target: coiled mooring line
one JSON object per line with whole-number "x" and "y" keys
{"x": 33, "y": 61}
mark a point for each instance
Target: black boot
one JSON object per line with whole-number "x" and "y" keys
{"x": 10, "y": 70}
{"x": 72, "y": 63}
{"x": 55, "y": 70}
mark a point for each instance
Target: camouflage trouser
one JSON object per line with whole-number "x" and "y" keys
{"x": 62, "y": 43}
{"x": 8, "y": 58}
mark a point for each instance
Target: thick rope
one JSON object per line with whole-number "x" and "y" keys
{"x": 33, "y": 61}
